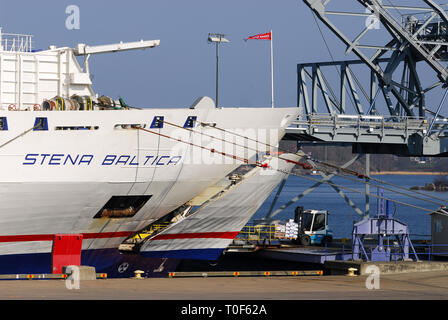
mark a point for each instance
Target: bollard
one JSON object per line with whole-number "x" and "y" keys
{"x": 351, "y": 272}
{"x": 138, "y": 274}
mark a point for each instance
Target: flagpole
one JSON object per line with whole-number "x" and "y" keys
{"x": 272, "y": 71}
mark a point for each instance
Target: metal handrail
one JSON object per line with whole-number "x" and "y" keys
{"x": 16, "y": 42}
{"x": 257, "y": 232}
{"x": 355, "y": 121}
{"x": 422, "y": 250}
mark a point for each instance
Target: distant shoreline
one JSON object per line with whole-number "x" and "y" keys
{"x": 417, "y": 173}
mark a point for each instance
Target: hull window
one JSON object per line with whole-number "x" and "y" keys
{"x": 77, "y": 128}
{"x": 3, "y": 124}
{"x": 41, "y": 124}
{"x": 191, "y": 121}
{"x": 122, "y": 207}
{"x": 157, "y": 122}
{"x": 126, "y": 126}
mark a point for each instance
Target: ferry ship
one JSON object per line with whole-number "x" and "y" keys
{"x": 76, "y": 163}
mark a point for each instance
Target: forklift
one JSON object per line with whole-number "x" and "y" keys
{"x": 313, "y": 227}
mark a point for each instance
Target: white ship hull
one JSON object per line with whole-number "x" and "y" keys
{"x": 69, "y": 157}
{"x": 55, "y": 181}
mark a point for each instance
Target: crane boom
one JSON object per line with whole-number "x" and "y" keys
{"x": 83, "y": 49}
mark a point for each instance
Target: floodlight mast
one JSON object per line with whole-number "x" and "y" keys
{"x": 217, "y": 38}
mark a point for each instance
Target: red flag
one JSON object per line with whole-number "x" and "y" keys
{"x": 262, "y": 36}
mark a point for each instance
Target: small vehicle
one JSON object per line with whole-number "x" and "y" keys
{"x": 313, "y": 227}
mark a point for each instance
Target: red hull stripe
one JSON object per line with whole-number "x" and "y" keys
{"x": 103, "y": 235}
{"x": 210, "y": 235}
{"x": 49, "y": 237}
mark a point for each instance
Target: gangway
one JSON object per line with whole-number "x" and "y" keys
{"x": 360, "y": 128}
{"x": 404, "y": 136}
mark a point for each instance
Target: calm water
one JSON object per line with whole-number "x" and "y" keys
{"x": 342, "y": 216}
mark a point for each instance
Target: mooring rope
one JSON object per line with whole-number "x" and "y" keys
{"x": 304, "y": 166}
{"x": 20, "y": 135}
{"x": 309, "y": 167}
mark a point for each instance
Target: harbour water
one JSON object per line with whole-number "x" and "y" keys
{"x": 342, "y": 216}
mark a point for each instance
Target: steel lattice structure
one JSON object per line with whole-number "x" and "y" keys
{"x": 397, "y": 90}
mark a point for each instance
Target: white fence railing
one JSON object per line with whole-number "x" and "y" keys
{"x": 16, "y": 42}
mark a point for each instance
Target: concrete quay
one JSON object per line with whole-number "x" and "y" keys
{"x": 430, "y": 285}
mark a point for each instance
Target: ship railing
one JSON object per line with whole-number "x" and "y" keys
{"x": 152, "y": 230}
{"x": 258, "y": 233}
{"x": 12, "y": 42}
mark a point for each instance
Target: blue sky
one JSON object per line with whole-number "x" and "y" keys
{"x": 182, "y": 68}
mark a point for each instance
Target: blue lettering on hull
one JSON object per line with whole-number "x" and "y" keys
{"x": 60, "y": 159}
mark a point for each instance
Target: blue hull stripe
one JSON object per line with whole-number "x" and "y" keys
{"x": 109, "y": 261}
{"x": 196, "y": 254}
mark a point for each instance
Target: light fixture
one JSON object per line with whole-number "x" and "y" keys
{"x": 217, "y": 38}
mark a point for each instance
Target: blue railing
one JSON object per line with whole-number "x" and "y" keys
{"x": 424, "y": 252}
